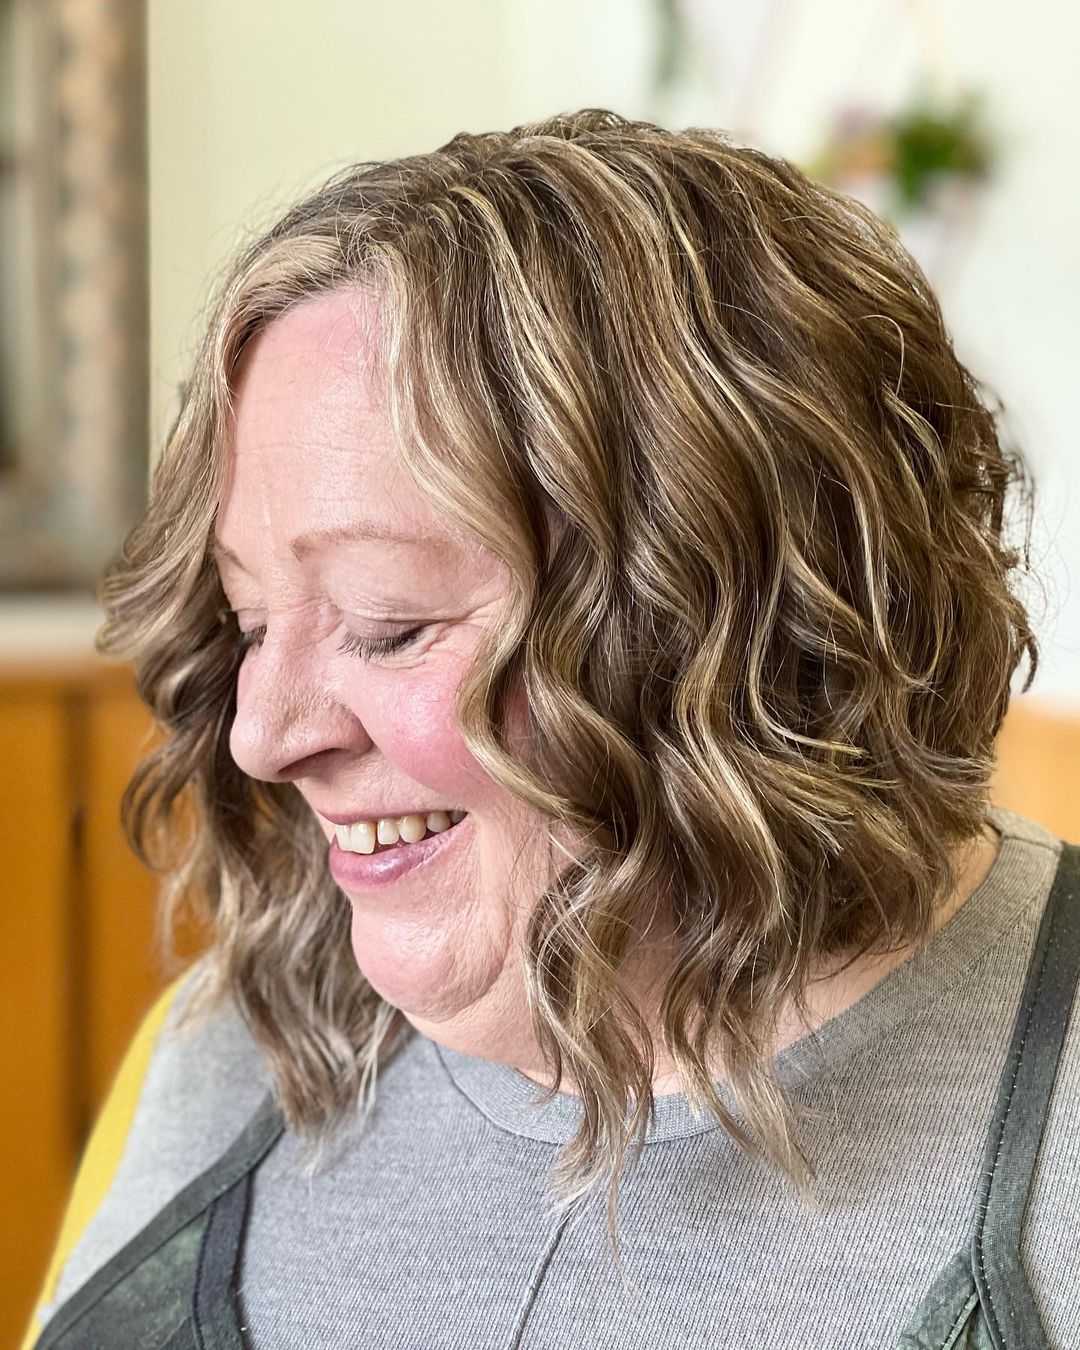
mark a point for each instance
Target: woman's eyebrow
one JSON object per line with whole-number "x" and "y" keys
{"x": 222, "y": 553}
{"x": 366, "y": 528}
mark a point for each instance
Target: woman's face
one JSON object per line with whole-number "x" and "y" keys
{"x": 313, "y": 460}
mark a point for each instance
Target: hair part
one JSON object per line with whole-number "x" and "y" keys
{"x": 766, "y": 653}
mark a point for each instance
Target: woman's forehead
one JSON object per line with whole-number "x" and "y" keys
{"x": 343, "y": 328}
{"x": 311, "y": 448}
{"x": 314, "y": 372}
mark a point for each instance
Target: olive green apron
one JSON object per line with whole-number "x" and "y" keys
{"x": 174, "y": 1285}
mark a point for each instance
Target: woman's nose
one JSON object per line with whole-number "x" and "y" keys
{"x": 287, "y": 711}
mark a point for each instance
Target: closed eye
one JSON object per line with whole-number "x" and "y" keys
{"x": 352, "y": 644}
{"x": 366, "y": 648}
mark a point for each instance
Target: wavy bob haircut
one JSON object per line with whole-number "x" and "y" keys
{"x": 765, "y": 653}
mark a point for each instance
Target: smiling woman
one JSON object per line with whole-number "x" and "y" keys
{"x": 577, "y": 600}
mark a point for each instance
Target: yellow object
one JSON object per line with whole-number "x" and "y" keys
{"x": 104, "y": 1149}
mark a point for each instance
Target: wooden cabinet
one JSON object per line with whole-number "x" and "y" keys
{"x": 80, "y": 965}
{"x": 39, "y": 1129}
{"x": 1038, "y": 765}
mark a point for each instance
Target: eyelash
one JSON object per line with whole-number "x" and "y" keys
{"x": 352, "y": 644}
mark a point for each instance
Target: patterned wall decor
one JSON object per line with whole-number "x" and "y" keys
{"x": 74, "y": 472}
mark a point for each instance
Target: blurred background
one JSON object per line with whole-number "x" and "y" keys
{"x": 142, "y": 141}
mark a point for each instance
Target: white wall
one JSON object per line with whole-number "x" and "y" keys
{"x": 252, "y": 101}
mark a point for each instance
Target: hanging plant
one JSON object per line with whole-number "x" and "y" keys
{"x": 915, "y": 150}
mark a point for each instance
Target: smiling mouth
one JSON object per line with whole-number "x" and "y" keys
{"x": 355, "y": 872}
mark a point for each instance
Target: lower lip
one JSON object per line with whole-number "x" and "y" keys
{"x": 358, "y": 871}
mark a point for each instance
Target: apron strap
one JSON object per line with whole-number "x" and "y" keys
{"x": 250, "y": 1146}
{"x": 1020, "y": 1113}
{"x": 217, "y": 1275}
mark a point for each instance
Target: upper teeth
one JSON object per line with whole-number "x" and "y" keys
{"x": 360, "y": 837}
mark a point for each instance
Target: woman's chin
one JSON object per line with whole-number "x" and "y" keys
{"x": 422, "y": 973}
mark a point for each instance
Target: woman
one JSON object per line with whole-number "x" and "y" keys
{"x": 576, "y": 595}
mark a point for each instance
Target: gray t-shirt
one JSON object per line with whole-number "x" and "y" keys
{"x": 433, "y": 1227}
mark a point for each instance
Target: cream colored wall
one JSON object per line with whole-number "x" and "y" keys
{"x": 254, "y": 101}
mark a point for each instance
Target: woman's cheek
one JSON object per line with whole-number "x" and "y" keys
{"x": 420, "y": 735}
